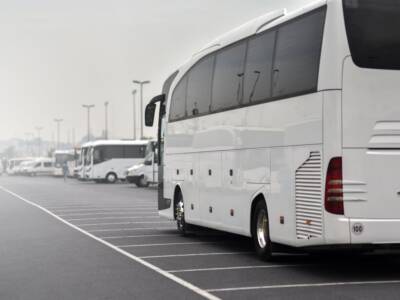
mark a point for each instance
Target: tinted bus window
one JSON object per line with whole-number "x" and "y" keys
{"x": 298, "y": 53}
{"x": 228, "y": 77}
{"x": 178, "y": 101}
{"x": 373, "y": 32}
{"x": 199, "y": 87}
{"x": 136, "y": 151}
{"x": 260, "y": 54}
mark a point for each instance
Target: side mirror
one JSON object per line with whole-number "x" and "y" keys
{"x": 148, "y": 162}
{"x": 149, "y": 114}
{"x": 151, "y": 109}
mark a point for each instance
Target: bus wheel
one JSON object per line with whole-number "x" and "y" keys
{"x": 143, "y": 182}
{"x": 111, "y": 178}
{"x": 182, "y": 226}
{"x": 260, "y": 231}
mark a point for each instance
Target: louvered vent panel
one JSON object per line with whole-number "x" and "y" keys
{"x": 309, "y": 198}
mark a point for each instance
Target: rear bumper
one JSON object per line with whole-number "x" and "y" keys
{"x": 375, "y": 231}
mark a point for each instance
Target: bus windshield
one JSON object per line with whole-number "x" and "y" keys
{"x": 372, "y": 30}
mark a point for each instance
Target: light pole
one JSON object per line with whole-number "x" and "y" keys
{"x": 141, "y": 83}
{"x": 88, "y": 107}
{"x": 27, "y": 143}
{"x": 106, "y": 120}
{"x": 39, "y": 129}
{"x": 134, "y": 92}
{"x": 58, "y": 121}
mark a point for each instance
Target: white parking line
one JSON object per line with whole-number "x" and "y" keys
{"x": 237, "y": 268}
{"x": 104, "y": 214}
{"x": 104, "y": 209}
{"x": 131, "y": 229}
{"x": 124, "y": 223}
{"x": 304, "y": 285}
{"x": 135, "y": 236}
{"x": 166, "y": 244}
{"x": 172, "y": 277}
{"x": 194, "y": 254}
{"x": 114, "y": 218}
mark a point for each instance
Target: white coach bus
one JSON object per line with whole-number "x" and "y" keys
{"x": 287, "y": 130}
{"x": 110, "y": 159}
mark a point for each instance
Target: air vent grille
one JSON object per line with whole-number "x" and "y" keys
{"x": 309, "y": 198}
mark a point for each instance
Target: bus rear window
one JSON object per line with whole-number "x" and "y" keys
{"x": 373, "y": 32}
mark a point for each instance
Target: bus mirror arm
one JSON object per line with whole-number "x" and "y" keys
{"x": 151, "y": 109}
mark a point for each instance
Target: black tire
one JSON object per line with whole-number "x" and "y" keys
{"x": 181, "y": 224}
{"x": 260, "y": 231}
{"x": 111, "y": 178}
{"x": 143, "y": 182}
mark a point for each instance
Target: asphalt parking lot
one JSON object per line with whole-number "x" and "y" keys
{"x": 99, "y": 241}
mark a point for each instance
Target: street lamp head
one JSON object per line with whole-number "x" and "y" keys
{"x": 88, "y": 106}
{"x": 141, "y": 82}
{"x": 134, "y": 92}
{"x": 58, "y": 120}
{"x": 106, "y": 103}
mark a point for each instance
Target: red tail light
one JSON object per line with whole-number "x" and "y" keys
{"x": 334, "y": 187}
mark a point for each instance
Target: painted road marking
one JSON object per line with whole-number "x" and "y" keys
{"x": 304, "y": 285}
{"x": 103, "y": 214}
{"x": 114, "y": 218}
{"x": 166, "y": 244}
{"x": 195, "y": 254}
{"x": 170, "y": 276}
{"x": 104, "y": 209}
{"x": 237, "y": 268}
{"x": 135, "y": 236}
{"x": 131, "y": 229}
{"x": 125, "y": 223}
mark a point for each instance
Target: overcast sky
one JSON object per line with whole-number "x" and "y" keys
{"x": 56, "y": 55}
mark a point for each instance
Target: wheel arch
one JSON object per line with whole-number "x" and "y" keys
{"x": 177, "y": 191}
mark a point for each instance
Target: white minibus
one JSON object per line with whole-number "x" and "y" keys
{"x": 109, "y": 159}
{"x": 287, "y": 130}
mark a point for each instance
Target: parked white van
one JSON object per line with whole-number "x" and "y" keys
{"x": 14, "y": 165}
{"x": 39, "y": 166}
{"x": 145, "y": 173}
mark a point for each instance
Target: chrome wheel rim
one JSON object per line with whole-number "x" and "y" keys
{"x": 111, "y": 178}
{"x": 180, "y": 215}
{"x": 262, "y": 229}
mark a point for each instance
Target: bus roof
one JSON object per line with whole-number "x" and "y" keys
{"x": 119, "y": 143}
{"x": 253, "y": 27}
{"x": 70, "y": 151}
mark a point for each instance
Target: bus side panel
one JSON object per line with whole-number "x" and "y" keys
{"x": 244, "y": 173}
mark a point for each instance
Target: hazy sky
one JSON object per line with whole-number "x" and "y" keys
{"x": 56, "y": 55}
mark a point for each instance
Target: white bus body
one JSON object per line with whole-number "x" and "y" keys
{"x": 297, "y": 113}
{"x": 83, "y": 162}
{"x": 61, "y": 157}
{"x": 110, "y": 159}
{"x": 145, "y": 173}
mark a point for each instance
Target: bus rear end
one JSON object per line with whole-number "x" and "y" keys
{"x": 370, "y": 163}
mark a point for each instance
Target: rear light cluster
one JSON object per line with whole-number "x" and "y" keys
{"x": 334, "y": 187}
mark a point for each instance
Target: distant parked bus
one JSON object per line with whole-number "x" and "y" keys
{"x": 287, "y": 130}
{"x": 60, "y": 158}
{"x": 109, "y": 159}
